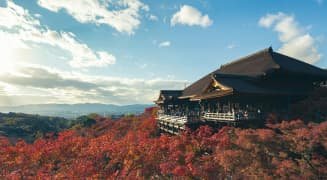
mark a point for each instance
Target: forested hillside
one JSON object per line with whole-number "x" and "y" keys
{"x": 132, "y": 148}
{"x": 29, "y": 127}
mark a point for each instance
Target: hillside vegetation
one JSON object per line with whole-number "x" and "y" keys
{"x": 132, "y": 148}
{"x": 29, "y": 127}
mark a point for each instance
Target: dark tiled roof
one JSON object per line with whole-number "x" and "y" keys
{"x": 252, "y": 85}
{"x": 259, "y": 63}
{"x": 174, "y": 93}
{"x": 197, "y": 87}
{"x": 236, "y": 67}
{"x": 292, "y": 65}
{"x": 169, "y": 95}
{"x": 256, "y": 65}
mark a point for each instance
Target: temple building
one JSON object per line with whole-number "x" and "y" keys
{"x": 242, "y": 91}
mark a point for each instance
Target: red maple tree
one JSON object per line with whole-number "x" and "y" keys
{"x": 132, "y": 148}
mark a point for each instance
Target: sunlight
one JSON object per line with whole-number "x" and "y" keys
{"x": 7, "y": 62}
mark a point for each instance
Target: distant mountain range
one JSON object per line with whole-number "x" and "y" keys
{"x": 75, "y": 110}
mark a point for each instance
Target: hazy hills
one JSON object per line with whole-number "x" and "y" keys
{"x": 75, "y": 110}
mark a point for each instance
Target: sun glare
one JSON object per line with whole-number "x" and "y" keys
{"x": 7, "y": 62}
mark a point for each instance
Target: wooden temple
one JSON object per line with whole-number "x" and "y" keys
{"x": 243, "y": 91}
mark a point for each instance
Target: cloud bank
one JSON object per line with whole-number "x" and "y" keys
{"x": 20, "y": 26}
{"x": 52, "y": 85}
{"x": 122, "y": 15}
{"x": 296, "y": 41}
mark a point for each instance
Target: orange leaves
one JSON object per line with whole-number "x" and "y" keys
{"x": 266, "y": 135}
{"x": 229, "y": 159}
{"x": 180, "y": 171}
{"x": 204, "y": 131}
{"x": 287, "y": 168}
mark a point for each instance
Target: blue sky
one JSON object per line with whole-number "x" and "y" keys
{"x": 124, "y": 51}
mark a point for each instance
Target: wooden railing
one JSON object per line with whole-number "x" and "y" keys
{"x": 230, "y": 116}
{"x": 220, "y": 116}
{"x": 171, "y": 124}
{"x": 172, "y": 119}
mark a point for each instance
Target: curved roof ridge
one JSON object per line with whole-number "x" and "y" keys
{"x": 266, "y": 50}
{"x": 170, "y": 90}
{"x": 233, "y": 75}
{"x": 294, "y": 65}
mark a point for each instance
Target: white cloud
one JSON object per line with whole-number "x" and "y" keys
{"x": 296, "y": 41}
{"x": 123, "y": 15}
{"x": 48, "y": 85}
{"x": 188, "y": 15}
{"x": 153, "y": 17}
{"x": 38, "y": 15}
{"x": 18, "y": 24}
{"x": 164, "y": 44}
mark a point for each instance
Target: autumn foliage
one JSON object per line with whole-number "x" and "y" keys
{"x": 131, "y": 148}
